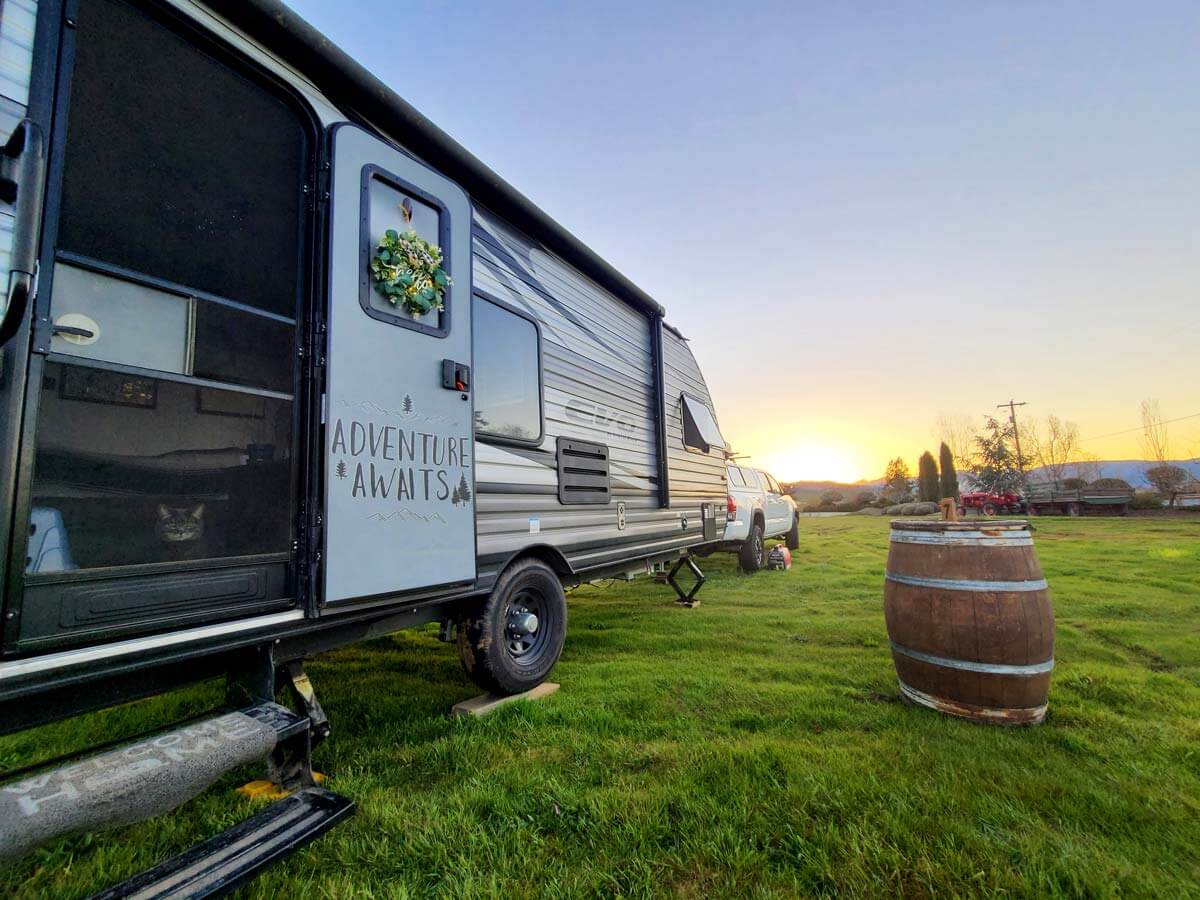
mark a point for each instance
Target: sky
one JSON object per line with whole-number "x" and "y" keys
{"x": 862, "y": 216}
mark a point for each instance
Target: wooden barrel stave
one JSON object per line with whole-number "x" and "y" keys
{"x": 970, "y": 621}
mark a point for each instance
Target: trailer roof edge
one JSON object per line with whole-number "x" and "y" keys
{"x": 350, "y": 85}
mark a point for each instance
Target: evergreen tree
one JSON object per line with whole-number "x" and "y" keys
{"x": 464, "y": 492}
{"x": 456, "y": 497}
{"x": 340, "y": 469}
{"x": 995, "y": 468}
{"x": 896, "y": 486}
{"x": 927, "y": 478}
{"x": 407, "y": 406}
{"x": 949, "y": 475}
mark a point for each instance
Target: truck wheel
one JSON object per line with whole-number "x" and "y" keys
{"x": 513, "y": 641}
{"x": 750, "y": 557}
{"x": 793, "y": 536}
{"x": 989, "y": 509}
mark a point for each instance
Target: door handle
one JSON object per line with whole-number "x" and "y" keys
{"x": 22, "y": 173}
{"x": 73, "y": 330}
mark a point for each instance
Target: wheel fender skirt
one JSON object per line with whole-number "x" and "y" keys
{"x": 140, "y": 780}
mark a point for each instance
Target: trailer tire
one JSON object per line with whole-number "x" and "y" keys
{"x": 510, "y": 644}
{"x": 793, "y": 536}
{"x": 752, "y": 554}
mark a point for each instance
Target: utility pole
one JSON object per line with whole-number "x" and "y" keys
{"x": 1012, "y": 417}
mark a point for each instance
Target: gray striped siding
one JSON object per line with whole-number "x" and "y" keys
{"x": 595, "y": 349}
{"x": 694, "y": 476}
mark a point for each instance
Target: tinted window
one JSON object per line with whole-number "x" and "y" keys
{"x": 133, "y": 469}
{"x": 735, "y": 476}
{"x": 508, "y": 398}
{"x": 179, "y": 167}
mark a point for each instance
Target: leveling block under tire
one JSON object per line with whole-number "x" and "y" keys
{"x": 156, "y": 775}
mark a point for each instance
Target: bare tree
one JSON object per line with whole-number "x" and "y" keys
{"x": 1156, "y": 445}
{"x": 957, "y": 432}
{"x": 1086, "y": 467}
{"x": 1052, "y": 443}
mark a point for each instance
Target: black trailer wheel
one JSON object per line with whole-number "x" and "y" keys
{"x": 793, "y": 535}
{"x": 510, "y": 644}
{"x": 751, "y": 556}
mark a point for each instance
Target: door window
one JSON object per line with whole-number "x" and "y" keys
{"x": 394, "y": 205}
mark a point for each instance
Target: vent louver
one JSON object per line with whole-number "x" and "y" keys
{"x": 582, "y": 472}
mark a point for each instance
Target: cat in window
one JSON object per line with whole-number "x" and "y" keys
{"x": 180, "y": 530}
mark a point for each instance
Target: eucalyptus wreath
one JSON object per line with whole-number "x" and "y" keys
{"x": 408, "y": 272}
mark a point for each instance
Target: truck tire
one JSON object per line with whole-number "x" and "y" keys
{"x": 793, "y": 536}
{"x": 512, "y": 641}
{"x": 752, "y": 554}
{"x": 989, "y": 509}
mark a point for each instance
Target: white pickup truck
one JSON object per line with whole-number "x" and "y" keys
{"x": 757, "y": 508}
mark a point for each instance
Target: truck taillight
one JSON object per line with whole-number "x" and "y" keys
{"x": 730, "y": 508}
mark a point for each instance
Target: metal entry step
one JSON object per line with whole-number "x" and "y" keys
{"x": 140, "y": 780}
{"x": 231, "y": 858}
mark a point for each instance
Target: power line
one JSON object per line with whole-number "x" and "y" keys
{"x": 1139, "y": 428}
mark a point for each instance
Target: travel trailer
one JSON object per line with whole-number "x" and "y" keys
{"x": 285, "y": 367}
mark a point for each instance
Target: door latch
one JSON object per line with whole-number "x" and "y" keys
{"x": 456, "y": 376}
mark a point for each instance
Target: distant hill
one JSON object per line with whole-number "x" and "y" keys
{"x": 1131, "y": 470}
{"x": 808, "y": 490}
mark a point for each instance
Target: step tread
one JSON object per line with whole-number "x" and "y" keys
{"x": 233, "y": 857}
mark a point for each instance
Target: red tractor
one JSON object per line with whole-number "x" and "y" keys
{"x": 989, "y": 504}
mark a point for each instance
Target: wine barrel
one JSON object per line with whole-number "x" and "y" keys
{"x": 969, "y": 619}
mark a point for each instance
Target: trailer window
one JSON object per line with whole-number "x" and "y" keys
{"x": 508, "y": 369}
{"x": 700, "y": 430}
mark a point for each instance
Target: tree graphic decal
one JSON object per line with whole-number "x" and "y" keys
{"x": 407, "y": 406}
{"x": 340, "y": 469}
{"x": 464, "y": 492}
{"x": 456, "y": 497}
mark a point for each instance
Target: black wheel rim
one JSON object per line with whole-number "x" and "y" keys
{"x": 527, "y": 627}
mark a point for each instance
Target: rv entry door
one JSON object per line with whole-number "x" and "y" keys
{"x": 398, "y": 420}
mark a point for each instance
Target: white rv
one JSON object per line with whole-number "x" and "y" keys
{"x": 227, "y": 442}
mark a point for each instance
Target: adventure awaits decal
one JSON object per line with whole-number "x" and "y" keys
{"x": 377, "y": 461}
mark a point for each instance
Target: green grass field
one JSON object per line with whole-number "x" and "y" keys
{"x": 754, "y": 746}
